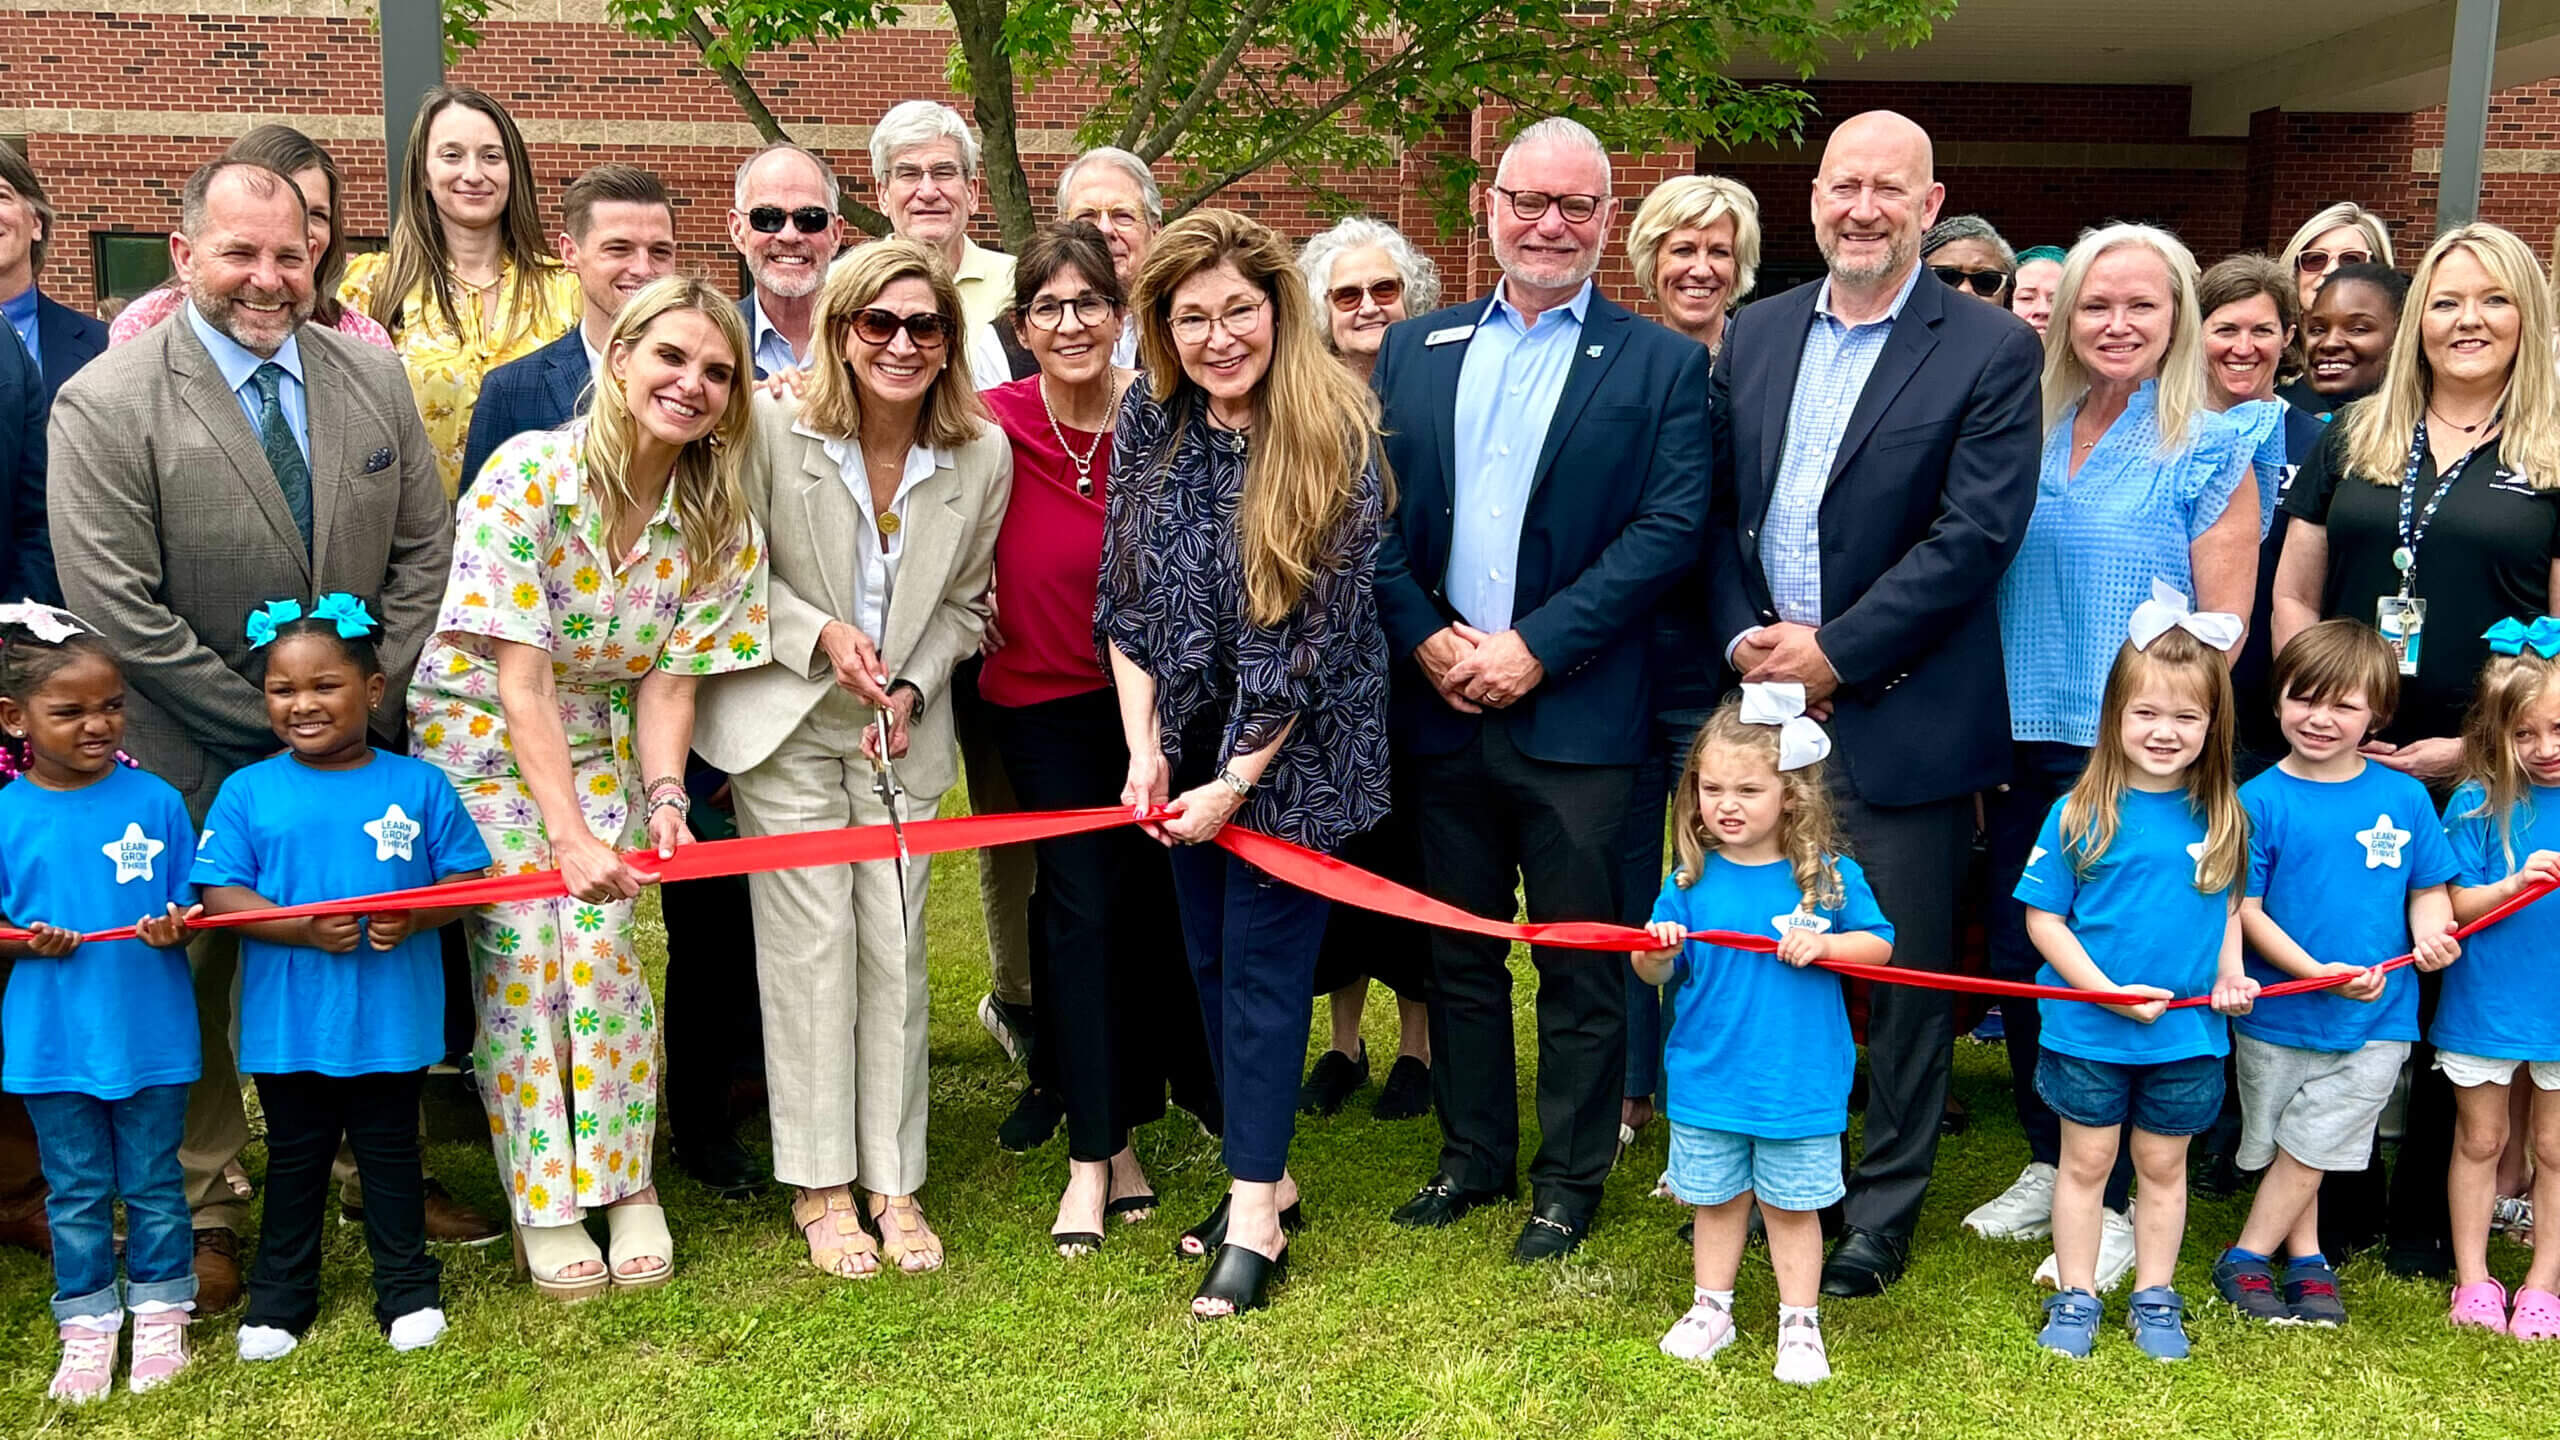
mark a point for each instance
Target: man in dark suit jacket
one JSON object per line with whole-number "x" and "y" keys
{"x": 59, "y": 338}
{"x": 1876, "y": 445}
{"x": 26, "y": 546}
{"x": 1551, "y": 452}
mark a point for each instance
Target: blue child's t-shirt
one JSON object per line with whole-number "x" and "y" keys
{"x": 2334, "y": 862}
{"x": 2141, "y": 918}
{"x": 1758, "y": 1046}
{"x": 298, "y": 835}
{"x": 115, "y": 1016}
{"x": 2501, "y": 1000}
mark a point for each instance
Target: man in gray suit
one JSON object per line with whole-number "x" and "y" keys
{"x": 231, "y": 458}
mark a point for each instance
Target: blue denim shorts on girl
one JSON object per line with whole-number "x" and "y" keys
{"x": 2169, "y": 1097}
{"x": 1710, "y": 1167}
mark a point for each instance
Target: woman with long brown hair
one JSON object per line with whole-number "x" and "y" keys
{"x": 1239, "y": 613}
{"x": 469, "y": 282}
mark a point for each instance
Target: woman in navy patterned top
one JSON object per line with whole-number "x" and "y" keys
{"x": 1237, "y": 613}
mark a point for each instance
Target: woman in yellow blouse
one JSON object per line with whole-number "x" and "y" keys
{"x": 468, "y": 283}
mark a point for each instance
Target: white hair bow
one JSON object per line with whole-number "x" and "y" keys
{"x": 1801, "y": 742}
{"x": 2167, "y": 610}
{"x": 49, "y": 625}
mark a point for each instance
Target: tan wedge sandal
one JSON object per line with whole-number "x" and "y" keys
{"x": 543, "y": 1251}
{"x": 905, "y": 1240}
{"x": 838, "y": 1242}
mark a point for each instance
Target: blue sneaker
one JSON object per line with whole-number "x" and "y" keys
{"x": 1992, "y": 1030}
{"x": 2158, "y": 1322}
{"x": 2071, "y": 1324}
{"x": 2311, "y": 1295}
{"x": 2250, "y": 1287}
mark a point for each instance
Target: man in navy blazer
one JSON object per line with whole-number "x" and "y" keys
{"x": 26, "y": 546}
{"x": 619, "y": 233}
{"x": 1551, "y": 452}
{"x": 1876, "y": 446}
{"x": 57, "y": 338}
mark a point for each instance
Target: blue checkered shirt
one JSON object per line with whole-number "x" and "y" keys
{"x": 1838, "y": 358}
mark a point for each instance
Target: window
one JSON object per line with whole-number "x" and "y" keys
{"x": 128, "y": 263}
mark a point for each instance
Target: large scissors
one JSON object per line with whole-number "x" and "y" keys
{"x": 893, "y": 798}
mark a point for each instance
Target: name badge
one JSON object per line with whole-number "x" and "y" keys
{"x": 2402, "y": 619}
{"x": 1447, "y": 335}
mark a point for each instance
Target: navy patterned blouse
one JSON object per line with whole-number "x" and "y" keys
{"x": 1172, "y": 600}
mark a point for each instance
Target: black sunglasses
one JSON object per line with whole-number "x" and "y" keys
{"x": 1985, "y": 283}
{"x": 808, "y": 219}
{"x": 927, "y": 328}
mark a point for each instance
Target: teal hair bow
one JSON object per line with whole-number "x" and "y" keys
{"x": 347, "y": 612}
{"x": 2511, "y": 636}
{"x": 264, "y": 621}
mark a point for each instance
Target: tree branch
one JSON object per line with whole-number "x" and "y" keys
{"x": 1159, "y": 73}
{"x": 1205, "y": 89}
{"x": 1401, "y": 61}
{"x": 743, "y": 90}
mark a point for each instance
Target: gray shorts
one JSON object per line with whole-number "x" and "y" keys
{"x": 2320, "y": 1107}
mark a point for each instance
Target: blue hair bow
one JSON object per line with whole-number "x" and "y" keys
{"x": 264, "y": 621}
{"x": 347, "y": 612}
{"x": 2511, "y": 636}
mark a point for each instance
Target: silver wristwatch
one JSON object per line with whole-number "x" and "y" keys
{"x": 1233, "y": 781}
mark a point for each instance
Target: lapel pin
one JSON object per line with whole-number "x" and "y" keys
{"x": 1593, "y": 352}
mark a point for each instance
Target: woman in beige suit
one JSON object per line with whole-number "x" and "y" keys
{"x": 883, "y": 486}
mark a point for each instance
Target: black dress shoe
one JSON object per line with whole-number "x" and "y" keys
{"x": 1864, "y": 1263}
{"x": 1331, "y": 1081}
{"x": 1443, "y": 1202}
{"x": 1407, "y": 1093}
{"x": 721, "y": 1166}
{"x": 1034, "y": 1119}
{"x": 1553, "y": 1231}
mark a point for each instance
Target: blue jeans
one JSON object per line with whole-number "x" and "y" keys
{"x": 93, "y": 1152}
{"x": 1649, "y": 1008}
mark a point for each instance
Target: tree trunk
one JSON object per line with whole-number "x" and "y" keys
{"x": 980, "y": 24}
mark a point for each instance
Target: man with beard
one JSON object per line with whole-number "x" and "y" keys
{"x": 1551, "y": 451}
{"x": 1876, "y": 446}
{"x": 234, "y": 456}
{"x": 783, "y": 220}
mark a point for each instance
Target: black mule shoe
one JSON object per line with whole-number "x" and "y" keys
{"x": 1243, "y": 1278}
{"x": 1122, "y": 1205}
{"x": 1201, "y": 1240}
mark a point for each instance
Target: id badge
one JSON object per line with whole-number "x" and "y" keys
{"x": 2402, "y": 619}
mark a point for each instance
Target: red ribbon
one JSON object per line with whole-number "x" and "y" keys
{"x": 1307, "y": 869}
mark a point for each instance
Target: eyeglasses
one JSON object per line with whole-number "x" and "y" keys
{"x": 1381, "y": 293}
{"x": 1049, "y": 312}
{"x": 944, "y": 173}
{"x": 1530, "y": 204}
{"x": 1107, "y": 220}
{"x": 808, "y": 219}
{"x": 2315, "y": 262}
{"x": 1236, "y": 320}
{"x": 1985, "y": 283}
{"x": 929, "y": 329}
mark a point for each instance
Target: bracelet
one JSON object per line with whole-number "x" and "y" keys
{"x": 1233, "y": 781}
{"x": 679, "y": 802}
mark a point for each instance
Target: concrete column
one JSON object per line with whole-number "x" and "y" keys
{"x": 2466, "y": 112}
{"x": 412, "y": 65}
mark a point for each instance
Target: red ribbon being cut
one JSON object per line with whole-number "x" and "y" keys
{"x": 1307, "y": 869}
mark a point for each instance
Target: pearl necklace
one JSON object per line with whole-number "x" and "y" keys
{"x": 1083, "y": 462}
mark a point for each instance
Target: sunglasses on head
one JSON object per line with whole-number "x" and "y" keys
{"x": 927, "y": 328}
{"x": 2312, "y": 262}
{"x": 1985, "y": 283}
{"x": 1383, "y": 293}
{"x": 808, "y": 219}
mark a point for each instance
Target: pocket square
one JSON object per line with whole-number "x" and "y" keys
{"x": 379, "y": 461}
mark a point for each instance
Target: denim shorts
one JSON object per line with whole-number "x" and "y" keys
{"x": 1710, "y": 1167}
{"x": 2171, "y": 1097}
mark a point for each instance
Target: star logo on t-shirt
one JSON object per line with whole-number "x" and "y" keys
{"x": 2035, "y": 856}
{"x": 393, "y": 834}
{"x": 133, "y": 853}
{"x": 2382, "y": 844}
{"x": 1800, "y": 920}
{"x": 2195, "y": 852}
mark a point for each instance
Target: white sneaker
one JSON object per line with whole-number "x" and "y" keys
{"x": 417, "y": 1330}
{"x": 265, "y": 1342}
{"x": 1698, "y": 1335}
{"x": 999, "y": 1028}
{"x": 1801, "y": 1358}
{"x": 2024, "y": 1211}
{"x": 2115, "y": 1254}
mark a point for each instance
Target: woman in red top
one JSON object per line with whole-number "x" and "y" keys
{"x": 1117, "y": 1013}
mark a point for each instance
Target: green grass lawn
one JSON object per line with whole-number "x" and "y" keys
{"x": 1379, "y": 1332}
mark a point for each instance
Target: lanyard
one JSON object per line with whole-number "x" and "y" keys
{"x": 2415, "y": 523}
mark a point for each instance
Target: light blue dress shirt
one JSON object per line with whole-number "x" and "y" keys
{"x": 1838, "y": 358}
{"x": 772, "y": 348}
{"x": 1508, "y": 386}
{"x": 21, "y": 310}
{"x": 239, "y": 365}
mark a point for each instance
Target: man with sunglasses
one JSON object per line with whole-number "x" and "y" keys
{"x": 1551, "y": 450}
{"x": 784, "y": 221}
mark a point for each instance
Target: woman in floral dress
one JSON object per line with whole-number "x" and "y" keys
{"x": 599, "y": 571}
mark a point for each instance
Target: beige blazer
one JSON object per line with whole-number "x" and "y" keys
{"x": 169, "y": 527}
{"x": 934, "y": 619}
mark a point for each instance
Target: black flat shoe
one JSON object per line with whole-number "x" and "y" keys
{"x": 1035, "y": 1118}
{"x": 1242, "y": 1278}
{"x": 722, "y": 1167}
{"x": 1443, "y": 1202}
{"x": 1331, "y": 1082}
{"x": 1407, "y": 1093}
{"x": 1553, "y": 1231}
{"x": 1864, "y": 1263}
{"x": 1123, "y": 1204}
{"x": 1201, "y": 1240}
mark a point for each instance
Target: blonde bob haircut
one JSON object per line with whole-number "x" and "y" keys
{"x": 2345, "y": 212}
{"x": 1694, "y": 202}
{"x": 2181, "y": 372}
{"x": 710, "y": 506}
{"x": 2380, "y": 426}
{"x": 832, "y": 405}
{"x": 1315, "y": 428}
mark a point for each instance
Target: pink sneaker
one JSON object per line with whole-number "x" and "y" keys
{"x": 88, "y": 1369}
{"x": 159, "y": 1350}
{"x": 2537, "y": 1316}
{"x": 2483, "y": 1305}
{"x": 1698, "y": 1335}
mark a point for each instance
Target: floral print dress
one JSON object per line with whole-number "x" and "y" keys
{"x": 446, "y": 364}
{"x": 566, "y": 1049}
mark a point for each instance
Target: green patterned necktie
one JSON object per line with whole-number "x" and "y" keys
{"x": 275, "y": 436}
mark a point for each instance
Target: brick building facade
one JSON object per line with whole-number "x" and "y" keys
{"x": 115, "y": 108}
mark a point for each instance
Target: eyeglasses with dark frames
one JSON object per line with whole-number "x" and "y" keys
{"x": 808, "y": 219}
{"x": 1381, "y": 293}
{"x": 1985, "y": 283}
{"x": 1049, "y": 312}
{"x": 929, "y": 329}
{"x": 1531, "y": 204}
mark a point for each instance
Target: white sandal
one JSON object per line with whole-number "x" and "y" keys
{"x": 543, "y": 1251}
{"x": 639, "y": 1232}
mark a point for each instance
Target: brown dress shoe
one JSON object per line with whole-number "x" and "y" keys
{"x": 450, "y": 1222}
{"x": 218, "y": 1286}
{"x": 28, "y": 1232}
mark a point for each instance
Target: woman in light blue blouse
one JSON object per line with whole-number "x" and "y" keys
{"x": 2141, "y": 479}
